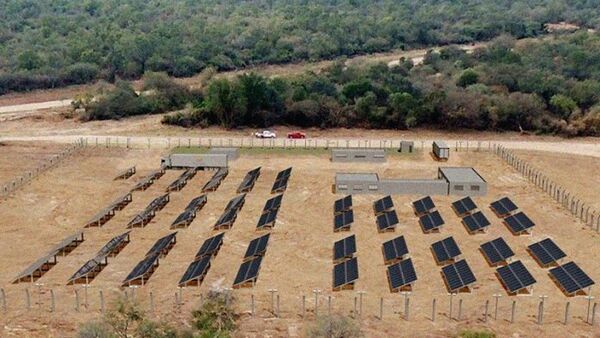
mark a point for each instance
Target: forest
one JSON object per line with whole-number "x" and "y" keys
{"x": 48, "y": 44}
{"x": 539, "y": 86}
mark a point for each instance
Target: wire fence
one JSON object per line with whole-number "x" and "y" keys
{"x": 569, "y": 200}
{"x": 494, "y": 309}
{"x": 26, "y": 177}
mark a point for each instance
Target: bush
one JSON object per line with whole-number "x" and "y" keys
{"x": 95, "y": 330}
{"x": 216, "y": 317}
{"x": 476, "y": 334}
{"x": 335, "y": 326}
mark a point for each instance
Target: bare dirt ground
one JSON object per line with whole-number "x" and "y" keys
{"x": 576, "y": 173}
{"x": 298, "y": 259}
{"x": 18, "y": 157}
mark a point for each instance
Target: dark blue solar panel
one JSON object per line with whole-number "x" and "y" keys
{"x": 497, "y": 250}
{"x": 267, "y": 219}
{"x": 445, "y": 249}
{"x": 345, "y": 273}
{"x": 387, "y": 220}
{"x": 402, "y": 274}
{"x": 431, "y": 221}
{"x": 196, "y": 270}
{"x": 519, "y": 222}
{"x": 248, "y": 271}
{"x": 515, "y": 276}
{"x": 343, "y": 204}
{"x": 476, "y": 221}
{"x": 504, "y": 207}
{"x": 458, "y": 275}
{"x": 571, "y": 278}
{"x": 423, "y": 205}
{"x": 464, "y": 206}
{"x": 344, "y": 248}
{"x": 210, "y": 246}
{"x": 273, "y": 203}
{"x": 257, "y": 246}
{"x": 546, "y": 251}
{"x": 343, "y": 220}
{"x": 383, "y": 204}
{"x": 395, "y": 249}
{"x": 143, "y": 268}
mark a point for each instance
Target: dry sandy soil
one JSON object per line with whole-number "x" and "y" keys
{"x": 18, "y": 157}
{"x": 298, "y": 259}
{"x": 578, "y": 174}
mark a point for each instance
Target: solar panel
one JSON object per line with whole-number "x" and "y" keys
{"x": 343, "y": 204}
{"x": 284, "y": 173}
{"x": 236, "y": 203}
{"x": 184, "y": 219}
{"x": 143, "y": 270}
{"x": 458, "y": 275}
{"x": 464, "y": 206}
{"x": 107, "y": 213}
{"x": 387, "y": 221}
{"x": 394, "y": 250}
{"x": 249, "y": 180}
{"x": 496, "y": 251}
{"x": 38, "y": 268}
{"x": 248, "y": 272}
{"x": 257, "y": 247}
{"x": 163, "y": 245}
{"x": 195, "y": 272}
{"x": 267, "y": 220}
{"x": 476, "y": 222}
{"x": 344, "y": 248}
{"x": 197, "y": 203}
{"x": 216, "y": 180}
{"x": 182, "y": 180}
{"x": 125, "y": 174}
{"x": 89, "y": 270}
{"x": 345, "y": 274}
{"x": 519, "y": 223}
{"x": 571, "y": 278}
{"x": 401, "y": 274}
{"x": 280, "y": 185}
{"x": 226, "y": 219}
{"x": 546, "y": 252}
{"x": 273, "y": 203}
{"x": 431, "y": 221}
{"x": 382, "y": 205}
{"x": 445, "y": 250}
{"x": 149, "y": 212}
{"x": 211, "y": 246}
{"x": 343, "y": 221}
{"x": 423, "y": 205}
{"x": 515, "y": 277}
{"x": 503, "y": 207}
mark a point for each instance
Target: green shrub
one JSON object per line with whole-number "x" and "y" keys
{"x": 216, "y": 317}
{"x": 335, "y": 326}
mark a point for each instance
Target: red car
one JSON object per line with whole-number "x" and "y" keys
{"x": 296, "y": 134}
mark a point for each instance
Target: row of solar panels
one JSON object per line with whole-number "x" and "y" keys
{"x": 189, "y": 213}
{"x": 182, "y": 180}
{"x": 148, "y": 180}
{"x": 215, "y": 180}
{"x": 281, "y": 181}
{"x": 144, "y": 217}
{"x": 229, "y": 215}
{"x": 249, "y": 181}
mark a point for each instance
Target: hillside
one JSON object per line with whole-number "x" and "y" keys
{"x": 58, "y": 43}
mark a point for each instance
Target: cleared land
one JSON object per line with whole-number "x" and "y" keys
{"x": 298, "y": 258}
{"x": 18, "y": 157}
{"x": 578, "y": 174}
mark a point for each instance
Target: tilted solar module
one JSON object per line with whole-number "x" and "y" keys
{"x": 249, "y": 180}
{"x": 94, "y": 266}
{"x": 236, "y": 203}
{"x": 182, "y": 180}
{"x": 394, "y": 249}
{"x": 424, "y": 205}
{"x": 515, "y": 276}
{"x": 476, "y": 222}
{"x": 163, "y": 245}
{"x": 387, "y": 220}
{"x": 257, "y": 246}
{"x": 267, "y": 219}
{"x": 401, "y": 274}
{"x": 284, "y": 173}
{"x": 143, "y": 270}
{"x": 184, "y": 219}
{"x": 546, "y": 252}
{"x": 496, "y": 250}
{"x": 519, "y": 223}
{"x": 248, "y": 272}
{"x": 226, "y": 219}
{"x": 382, "y": 205}
{"x": 197, "y": 203}
{"x": 280, "y": 185}
{"x": 345, "y": 273}
{"x": 571, "y": 278}
{"x": 343, "y": 220}
{"x": 211, "y": 246}
{"x": 195, "y": 272}
{"x": 503, "y": 207}
{"x": 431, "y": 221}
{"x": 215, "y": 181}
{"x": 344, "y": 248}
{"x": 464, "y": 206}
{"x": 446, "y": 249}
{"x": 458, "y": 275}
{"x": 273, "y": 203}
{"x": 343, "y": 204}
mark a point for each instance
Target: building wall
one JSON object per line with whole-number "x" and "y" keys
{"x": 195, "y": 160}
{"x": 232, "y": 153}
{"x": 393, "y": 187}
{"x": 357, "y": 155}
{"x": 467, "y": 188}
{"x": 441, "y": 150}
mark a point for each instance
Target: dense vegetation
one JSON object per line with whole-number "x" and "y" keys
{"x": 547, "y": 86}
{"x": 46, "y": 44}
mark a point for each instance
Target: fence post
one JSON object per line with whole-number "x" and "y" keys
{"x": 381, "y": 308}
{"x": 52, "y": 301}
{"x": 252, "y": 305}
{"x": 433, "y": 310}
{"x": 77, "y": 300}
{"x": 589, "y": 306}
{"x": 593, "y": 314}
{"x": 460, "y": 302}
{"x": 27, "y": 299}
{"x": 101, "y": 301}
{"x": 3, "y": 300}
{"x": 567, "y": 313}
{"x": 303, "y": 306}
{"x": 512, "y": 311}
{"x": 485, "y": 314}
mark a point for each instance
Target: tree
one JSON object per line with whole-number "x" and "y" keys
{"x": 562, "y": 105}
{"x": 226, "y": 101}
{"x": 467, "y": 78}
{"x": 30, "y": 60}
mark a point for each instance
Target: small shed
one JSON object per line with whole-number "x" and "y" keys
{"x": 200, "y": 161}
{"x": 441, "y": 151}
{"x": 406, "y": 147}
{"x": 463, "y": 181}
{"x": 357, "y": 155}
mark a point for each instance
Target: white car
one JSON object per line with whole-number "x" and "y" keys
{"x": 265, "y": 134}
